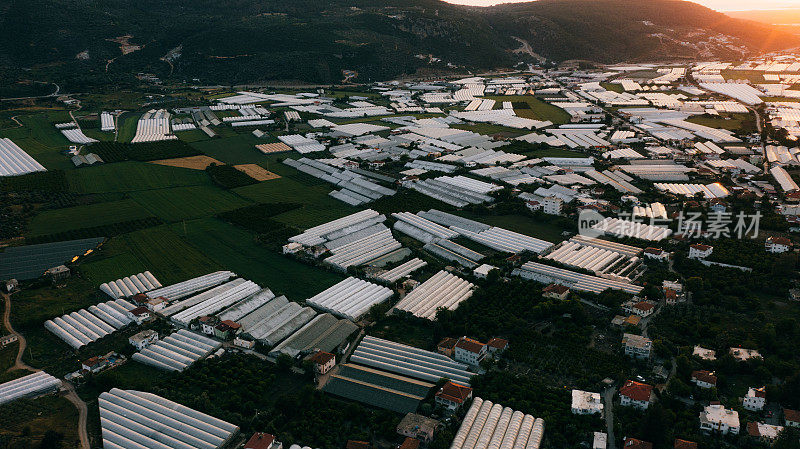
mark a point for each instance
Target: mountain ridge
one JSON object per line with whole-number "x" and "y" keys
{"x": 245, "y": 41}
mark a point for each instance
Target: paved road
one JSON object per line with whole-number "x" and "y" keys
{"x": 68, "y": 388}
{"x": 608, "y": 411}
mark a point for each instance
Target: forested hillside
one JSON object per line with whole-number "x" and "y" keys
{"x": 85, "y": 42}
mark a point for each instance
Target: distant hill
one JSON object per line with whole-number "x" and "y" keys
{"x": 244, "y": 41}
{"x": 773, "y": 16}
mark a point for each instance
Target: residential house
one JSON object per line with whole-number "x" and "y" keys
{"x": 453, "y": 395}
{"x": 716, "y": 418}
{"x": 261, "y": 440}
{"x": 409, "y": 443}
{"x": 6, "y": 340}
{"x": 671, "y": 297}
{"x": 586, "y": 403}
{"x": 447, "y": 346}
{"x": 637, "y": 346}
{"x": 469, "y": 351}
{"x": 323, "y": 361}
{"x": 635, "y": 394}
{"x": 704, "y": 379}
{"x": 777, "y": 245}
{"x": 683, "y": 444}
{"x": 417, "y": 426}
{"x": 482, "y": 271}
{"x": 656, "y": 254}
{"x": 353, "y": 444}
{"x": 496, "y": 346}
{"x": 143, "y": 339}
{"x": 244, "y": 343}
{"x": 556, "y": 291}
{"x": 292, "y": 248}
{"x": 643, "y": 309}
{"x": 791, "y": 418}
{"x": 705, "y": 354}
{"x": 227, "y": 329}
{"x": 600, "y": 440}
{"x": 95, "y": 364}
{"x": 766, "y": 432}
{"x": 632, "y": 320}
{"x": 139, "y": 314}
{"x": 744, "y": 355}
{"x": 207, "y": 324}
{"x": 755, "y": 399}
{"x": 700, "y": 251}
{"x": 633, "y": 443}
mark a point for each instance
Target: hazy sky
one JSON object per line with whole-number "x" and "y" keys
{"x": 720, "y": 5}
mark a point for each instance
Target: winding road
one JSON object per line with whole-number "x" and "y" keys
{"x": 68, "y": 388}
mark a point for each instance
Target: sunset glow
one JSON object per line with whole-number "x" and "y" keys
{"x": 719, "y": 5}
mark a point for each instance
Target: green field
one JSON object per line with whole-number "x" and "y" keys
{"x": 236, "y": 250}
{"x": 237, "y": 149}
{"x": 126, "y": 126}
{"x": 731, "y": 122}
{"x": 158, "y": 249}
{"x": 318, "y": 206}
{"x": 58, "y": 220}
{"x": 537, "y": 110}
{"x": 614, "y": 87}
{"x": 182, "y": 203}
{"x": 39, "y": 137}
{"x": 133, "y": 176}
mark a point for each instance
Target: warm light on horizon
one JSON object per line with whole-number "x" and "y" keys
{"x": 719, "y": 5}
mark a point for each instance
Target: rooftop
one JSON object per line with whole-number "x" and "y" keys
{"x": 259, "y": 440}
{"x": 636, "y": 390}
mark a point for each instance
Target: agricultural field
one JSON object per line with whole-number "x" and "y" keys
{"x": 318, "y": 206}
{"x": 39, "y": 138}
{"x": 59, "y": 220}
{"x": 537, "y": 109}
{"x": 238, "y": 251}
{"x": 126, "y": 126}
{"x": 158, "y": 249}
{"x": 238, "y": 149}
{"x": 44, "y": 422}
{"x": 732, "y": 122}
{"x": 193, "y": 162}
{"x": 132, "y": 176}
{"x": 183, "y": 203}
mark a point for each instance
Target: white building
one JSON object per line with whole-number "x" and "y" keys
{"x": 755, "y": 399}
{"x": 777, "y": 245}
{"x": 600, "y": 440}
{"x": 716, "y": 418}
{"x": 143, "y": 339}
{"x": 552, "y": 205}
{"x": 469, "y": 351}
{"x": 483, "y": 270}
{"x": 637, "y": 346}
{"x": 700, "y": 251}
{"x": 635, "y": 394}
{"x": 586, "y": 403}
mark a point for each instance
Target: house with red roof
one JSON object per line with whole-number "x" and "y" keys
{"x": 262, "y": 440}
{"x": 683, "y": 444}
{"x": 633, "y": 443}
{"x": 791, "y": 418}
{"x": 469, "y": 351}
{"x": 323, "y": 361}
{"x": 704, "y": 379}
{"x": 700, "y": 251}
{"x": 635, "y": 394}
{"x": 453, "y": 395}
{"x": 777, "y": 245}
